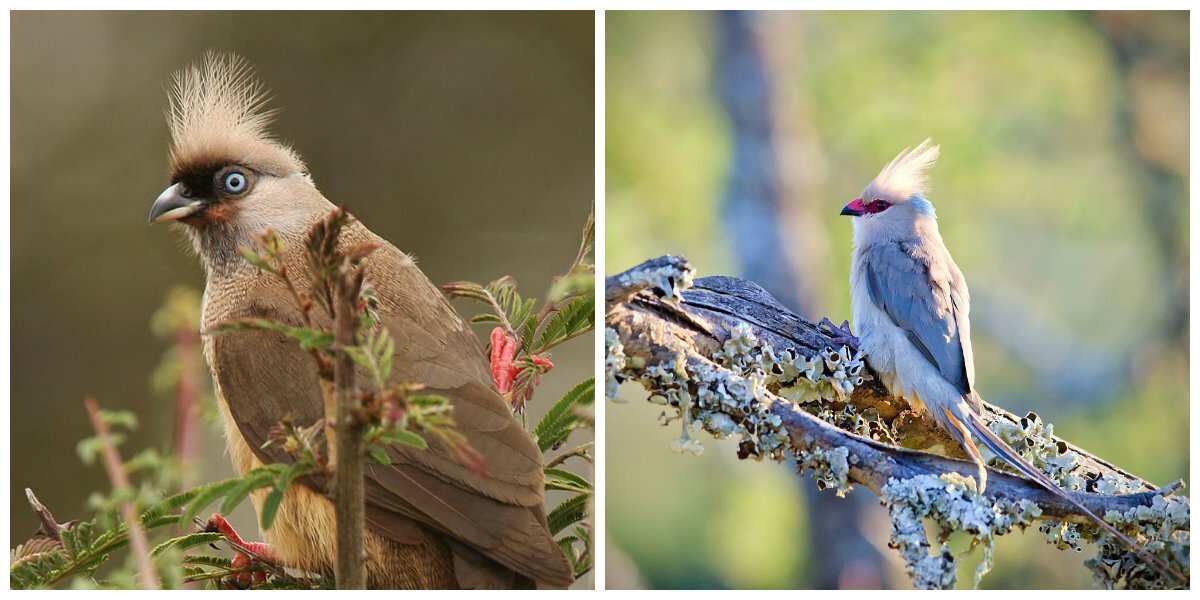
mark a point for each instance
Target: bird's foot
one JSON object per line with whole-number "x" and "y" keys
{"x": 504, "y": 371}
{"x": 839, "y": 335}
{"x": 250, "y": 556}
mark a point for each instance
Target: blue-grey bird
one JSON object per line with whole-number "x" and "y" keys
{"x": 912, "y": 312}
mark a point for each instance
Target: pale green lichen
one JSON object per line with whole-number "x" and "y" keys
{"x": 1035, "y": 441}
{"x": 949, "y": 501}
{"x": 829, "y": 467}
{"x": 614, "y": 362}
{"x": 668, "y": 280}
{"x": 1163, "y": 528}
{"x": 866, "y": 423}
{"x": 731, "y": 400}
{"x": 827, "y": 375}
{"x": 717, "y": 401}
{"x": 1157, "y": 527}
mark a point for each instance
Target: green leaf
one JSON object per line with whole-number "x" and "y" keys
{"x": 146, "y": 460}
{"x": 205, "y": 496}
{"x": 387, "y": 351}
{"x": 184, "y": 542}
{"x": 359, "y": 355}
{"x": 584, "y": 561}
{"x": 576, "y": 318}
{"x": 297, "y": 469}
{"x": 252, "y": 256}
{"x": 89, "y": 448}
{"x": 78, "y": 538}
{"x": 578, "y": 283}
{"x": 238, "y": 493}
{"x": 428, "y": 400}
{"x": 121, "y": 418}
{"x": 405, "y": 438}
{"x": 169, "y": 504}
{"x": 558, "y": 479}
{"x": 270, "y": 507}
{"x": 282, "y": 482}
{"x": 506, "y": 305}
{"x": 379, "y": 455}
{"x": 211, "y": 561}
{"x": 466, "y": 289}
{"x": 556, "y": 426}
{"x": 566, "y": 545}
{"x": 160, "y": 521}
{"x": 568, "y": 513}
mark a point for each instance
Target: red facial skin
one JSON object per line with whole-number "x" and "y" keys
{"x": 858, "y": 208}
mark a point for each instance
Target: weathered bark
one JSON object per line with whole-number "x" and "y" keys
{"x": 655, "y": 330}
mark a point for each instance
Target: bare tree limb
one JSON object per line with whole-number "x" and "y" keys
{"x": 138, "y": 543}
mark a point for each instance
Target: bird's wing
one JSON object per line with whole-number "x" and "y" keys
{"x": 498, "y": 511}
{"x": 925, "y": 295}
{"x": 436, "y": 348}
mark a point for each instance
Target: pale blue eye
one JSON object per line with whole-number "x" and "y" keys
{"x": 235, "y": 183}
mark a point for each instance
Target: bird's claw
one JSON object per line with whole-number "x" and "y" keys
{"x": 839, "y": 335}
{"x": 249, "y": 556}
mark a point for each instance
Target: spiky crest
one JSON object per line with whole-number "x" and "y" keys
{"x": 907, "y": 175}
{"x": 218, "y": 115}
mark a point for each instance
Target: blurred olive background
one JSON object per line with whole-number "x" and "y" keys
{"x": 466, "y": 139}
{"x": 735, "y": 139}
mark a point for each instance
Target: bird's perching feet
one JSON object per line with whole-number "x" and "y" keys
{"x": 249, "y": 555}
{"x": 839, "y": 335}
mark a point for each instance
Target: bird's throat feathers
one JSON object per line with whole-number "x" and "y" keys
{"x": 911, "y": 220}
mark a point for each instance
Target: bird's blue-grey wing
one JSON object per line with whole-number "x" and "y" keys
{"x": 925, "y": 296}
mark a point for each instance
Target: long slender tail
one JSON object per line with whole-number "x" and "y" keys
{"x": 980, "y": 430}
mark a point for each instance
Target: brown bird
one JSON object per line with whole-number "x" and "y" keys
{"x": 432, "y": 523}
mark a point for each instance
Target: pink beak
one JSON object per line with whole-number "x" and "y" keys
{"x": 855, "y": 208}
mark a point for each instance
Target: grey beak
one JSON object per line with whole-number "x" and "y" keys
{"x": 172, "y": 205}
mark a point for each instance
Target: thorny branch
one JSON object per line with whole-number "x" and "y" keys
{"x": 584, "y": 451}
{"x": 138, "y": 543}
{"x": 731, "y": 360}
{"x": 342, "y": 275}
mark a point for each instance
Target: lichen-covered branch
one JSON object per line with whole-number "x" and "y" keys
{"x": 725, "y": 357}
{"x": 664, "y": 275}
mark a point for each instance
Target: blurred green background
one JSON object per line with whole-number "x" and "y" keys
{"x": 466, "y": 139}
{"x": 734, "y": 140}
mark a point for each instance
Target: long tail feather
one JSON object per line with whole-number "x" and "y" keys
{"x": 1002, "y": 449}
